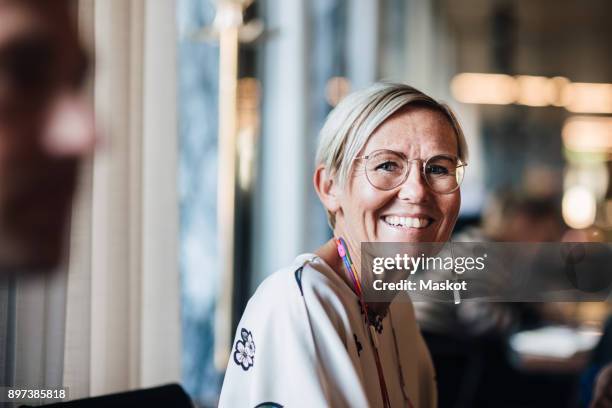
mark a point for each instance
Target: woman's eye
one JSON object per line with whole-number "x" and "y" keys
{"x": 387, "y": 166}
{"x": 437, "y": 170}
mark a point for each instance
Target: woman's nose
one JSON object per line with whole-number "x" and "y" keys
{"x": 414, "y": 188}
{"x": 70, "y": 126}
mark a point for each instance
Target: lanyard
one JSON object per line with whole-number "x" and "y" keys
{"x": 350, "y": 270}
{"x": 348, "y": 263}
{"x": 399, "y": 364}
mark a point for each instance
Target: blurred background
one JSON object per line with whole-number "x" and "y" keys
{"x": 201, "y": 187}
{"x": 531, "y": 83}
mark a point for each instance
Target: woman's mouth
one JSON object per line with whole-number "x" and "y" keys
{"x": 417, "y": 222}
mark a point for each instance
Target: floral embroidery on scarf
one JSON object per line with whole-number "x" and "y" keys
{"x": 358, "y": 344}
{"x": 244, "y": 352}
{"x": 298, "y": 279}
{"x": 378, "y": 324}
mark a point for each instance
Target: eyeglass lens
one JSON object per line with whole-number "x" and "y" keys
{"x": 387, "y": 169}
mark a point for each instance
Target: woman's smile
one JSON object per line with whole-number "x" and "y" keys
{"x": 407, "y": 221}
{"x": 407, "y": 226}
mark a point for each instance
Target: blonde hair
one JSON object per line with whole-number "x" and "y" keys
{"x": 351, "y": 123}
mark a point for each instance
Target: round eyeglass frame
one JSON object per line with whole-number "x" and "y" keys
{"x": 408, "y": 162}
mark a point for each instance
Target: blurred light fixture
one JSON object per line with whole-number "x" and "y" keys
{"x": 579, "y": 207}
{"x": 583, "y": 97}
{"x": 559, "y": 83}
{"x": 249, "y": 94}
{"x": 229, "y": 14}
{"x": 494, "y": 89}
{"x": 592, "y": 175}
{"x": 530, "y": 90}
{"x": 336, "y": 89}
{"x": 535, "y": 90}
{"x": 588, "y": 134}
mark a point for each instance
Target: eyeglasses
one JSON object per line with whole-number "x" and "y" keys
{"x": 386, "y": 170}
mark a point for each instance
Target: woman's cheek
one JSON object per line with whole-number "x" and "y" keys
{"x": 456, "y": 204}
{"x": 372, "y": 199}
{"x": 449, "y": 209}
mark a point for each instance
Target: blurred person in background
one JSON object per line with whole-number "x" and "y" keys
{"x": 46, "y": 126}
{"x": 596, "y": 381}
{"x": 389, "y": 167}
{"x": 512, "y": 216}
{"x": 602, "y": 392}
{"x": 508, "y": 217}
{"x": 468, "y": 341}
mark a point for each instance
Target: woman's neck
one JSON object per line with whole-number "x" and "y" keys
{"x": 329, "y": 253}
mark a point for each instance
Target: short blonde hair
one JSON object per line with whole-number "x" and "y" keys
{"x": 351, "y": 123}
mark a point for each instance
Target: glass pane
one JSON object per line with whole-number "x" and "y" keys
{"x": 198, "y": 87}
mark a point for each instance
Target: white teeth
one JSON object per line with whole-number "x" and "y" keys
{"x": 410, "y": 222}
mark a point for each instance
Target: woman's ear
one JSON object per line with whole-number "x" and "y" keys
{"x": 326, "y": 188}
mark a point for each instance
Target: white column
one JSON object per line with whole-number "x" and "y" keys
{"x": 280, "y": 203}
{"x": 110, "y": 306}
{"x": 77, "y": 352}
{"x": 363, "y": 42}
{"x": 161, "y": 323}
{"x": 123, "y": 305}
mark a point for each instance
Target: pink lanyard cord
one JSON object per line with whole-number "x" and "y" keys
{"x": 348, "y": 264}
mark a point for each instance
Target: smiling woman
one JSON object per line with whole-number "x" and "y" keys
{"x": 396, "y": 200}
{"x": 389, "y": 168}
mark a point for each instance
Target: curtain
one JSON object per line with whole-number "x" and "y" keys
{"x": 32, "y": 322}
{"x": 123, "y": 298}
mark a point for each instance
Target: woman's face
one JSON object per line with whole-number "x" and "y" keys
{"x": 368, "y": 214}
